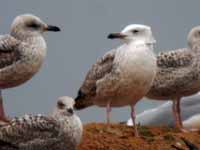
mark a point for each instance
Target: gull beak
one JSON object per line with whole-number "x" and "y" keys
{"x": 116, "y": 36}
{"x": 51, "y": 28}
{"x": 70, "y": 110}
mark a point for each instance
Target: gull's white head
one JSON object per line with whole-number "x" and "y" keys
{"x": 194, "y": 37}
{"x": 30, "y": 25}
{"x": 135, "y": 33}
{"x": 65, "y": 106}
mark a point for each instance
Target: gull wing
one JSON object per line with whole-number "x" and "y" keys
{"x": 28, "y": 131}
{"x": 102, "y": 67}
{"x": 176, "y": 58}
{"x": 9, "y": 50}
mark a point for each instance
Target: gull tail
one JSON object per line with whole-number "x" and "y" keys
{"x": 81, "y": 102}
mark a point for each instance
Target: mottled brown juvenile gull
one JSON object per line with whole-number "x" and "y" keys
{"x": 22, "y": 52}
{"x": 123, "y": 75}
{"x": 178, "y": 74}
{"x": 62, "y": 130}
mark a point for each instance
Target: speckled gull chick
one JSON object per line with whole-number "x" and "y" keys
{"x": 123, "y": 75}
{"x": 178, "y": 74}
{"x": 22, "y": 52}
{"x": 61, "y": 130}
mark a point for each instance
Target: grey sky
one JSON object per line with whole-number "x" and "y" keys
{"x": 85, "y": 25}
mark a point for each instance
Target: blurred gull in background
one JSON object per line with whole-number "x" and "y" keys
{"x": 162, "y": 115}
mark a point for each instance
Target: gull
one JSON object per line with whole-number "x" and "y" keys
{"x": 178, "y": 74}
{"x": 123, "y": 75}
{"x": 162, "y": 115}
{"x": 192, "y": 123}
{"x": 22, "y": 52}
{"x": 61, "y": 130}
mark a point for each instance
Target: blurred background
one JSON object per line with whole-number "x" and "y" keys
{"x": 85, "y": 25}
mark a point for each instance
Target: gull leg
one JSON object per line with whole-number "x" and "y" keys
{"x": 133, "y": 114}
{"x": 108, "y": 110}
{"x": 177, "y": 114}
{"x": 2, "y": 112}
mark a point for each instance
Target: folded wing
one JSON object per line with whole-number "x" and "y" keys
{"x": 9, "y": 50}
{"x": 103, "y": 66}
{"x": 28, "y": 131}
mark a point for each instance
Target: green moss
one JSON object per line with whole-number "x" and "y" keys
{"x": 170, "y": 129}
{"x": 169, "y": 138}
{"x": 145, "y": 131}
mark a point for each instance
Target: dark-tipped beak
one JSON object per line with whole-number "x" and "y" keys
{"x": 70, "y": 110}
{"x": 52, "y": 28}
{"x": 116, "y": 36}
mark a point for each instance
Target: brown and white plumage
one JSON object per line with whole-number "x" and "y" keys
{"x": 8, "y": 51}
{"x": 174, "y": 74}
{"x": 175, "y": 58}
{"x": 99, "y": 70}
{"x": 60, "y": 131}
{"x": 22, "y": 52}
{"x": 123, "y": 75}
{"x": 178, "y": 74}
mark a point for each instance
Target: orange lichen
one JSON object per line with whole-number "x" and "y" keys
{"x": 99, "y": 136}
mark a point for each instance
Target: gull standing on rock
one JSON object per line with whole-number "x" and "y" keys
{"x": 123, "y": 75}
{"x": 62, "y": 130}
{"x": 22, "y": 52}
{"x": 178, "y": 74}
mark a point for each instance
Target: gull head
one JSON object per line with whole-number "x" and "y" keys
{"x": 194, "y": 37}
{"x": 30, "y": 25}
{"x": 65, "y": 106}
{"x": 134, "y": 33}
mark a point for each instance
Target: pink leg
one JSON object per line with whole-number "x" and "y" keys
{"x": 108, "y": 110}
{"x": 177, "y": 113}
{"x": 133, "y": 114}
{"x": 2, "y": 113}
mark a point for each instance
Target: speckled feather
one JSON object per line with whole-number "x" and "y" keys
{"x": 20, "y": 60}
{"x": 175, "y": 58}
{"x": 25, "y": 130}
{"x": 102, "y": 67}
{"x": 9, "y": 52}
{"x": 38, "y": 133}
{"x": 178, "y": 74}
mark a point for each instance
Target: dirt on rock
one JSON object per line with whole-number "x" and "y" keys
{"x": 99, "y": 136}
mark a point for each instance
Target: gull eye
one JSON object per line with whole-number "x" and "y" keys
{"x": 33, "y": 25}
{"x": 60, "y": 105}
{"x": 135, "y": 31}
